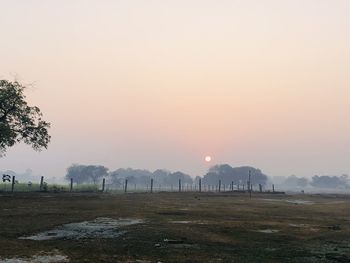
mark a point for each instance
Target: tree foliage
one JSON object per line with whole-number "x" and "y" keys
{"x": 19, "y": 121}
{"x": 326, "y": 181}
{"x": 294, "y": 181}
{"x": 237, "y": 175}
{"x": 143, "y": 177}
{"x": 86, "y": 173}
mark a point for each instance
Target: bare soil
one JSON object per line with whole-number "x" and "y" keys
{"x": 175, "y": 227}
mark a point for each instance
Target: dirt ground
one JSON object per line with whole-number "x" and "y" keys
{"x": 174, "y": 227}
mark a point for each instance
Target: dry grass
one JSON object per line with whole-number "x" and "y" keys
{"x": 221, "y": 227}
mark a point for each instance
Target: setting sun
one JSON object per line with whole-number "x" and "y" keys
{"x": 207, "y": 159}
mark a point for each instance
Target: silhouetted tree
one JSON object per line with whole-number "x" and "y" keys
{"x": 294, "y": 181}
{"x": 18, "y": 121}
{"x": 330, "y": 181}
{"x": 134, "y": 176}
{"x": 86, "y": 173}
{"x": 173, "y": 178}
{"x": 143, "y": 177}
{"x": 239, "y": 175}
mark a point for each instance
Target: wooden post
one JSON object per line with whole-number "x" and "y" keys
{"x": 152, "y": 185}
{"x": 260, "y": 188}
{"x": 103, "y": 184}
{"x": 179, "y": 185}
{"x": 13, "y": 184}
{"x": 232, "y": 186}
{"x": 200, "y": 185}
{"x": 273, "y": 188}
{"x": 219, "y": 186}
{"x": 126, "y": 186}
{"x": 71, "y": 184}
{"x": 250, "y": 185}
{"x": 41, "y": 183}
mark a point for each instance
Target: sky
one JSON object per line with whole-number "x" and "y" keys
{"x": 161, "y": 84}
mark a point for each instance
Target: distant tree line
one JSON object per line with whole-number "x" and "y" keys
{"x": 323, "y": 181}
{"x": 94, "y": 174}
{"x": 227, "y": 174}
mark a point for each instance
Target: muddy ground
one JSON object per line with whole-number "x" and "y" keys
{"x": 173, "y": 227}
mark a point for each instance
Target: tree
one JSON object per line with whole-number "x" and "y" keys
{"x": 18, "y": 121}
{"x": 239, "y": 175}
{"x": 86, "y": 173}
{"x": 326, "y": 181}
{"x": 294, "y": 181}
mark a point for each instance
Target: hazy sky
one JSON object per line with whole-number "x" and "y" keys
{"x": 160, "y": 84}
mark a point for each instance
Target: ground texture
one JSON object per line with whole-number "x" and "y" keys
{"x": 177, "y": 227}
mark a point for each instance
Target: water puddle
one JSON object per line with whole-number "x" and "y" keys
{"x": 296, "y": 202}
{"x": 181, "y": 222}
{"x": 268, "y": 231}
{"x": 300, "y": 202}
{"x": 41, "y": 258}
{"x": 188, "y": 222}
{"x": 101, "y": 227}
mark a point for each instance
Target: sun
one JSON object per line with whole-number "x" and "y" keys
{"x": 207, "y": 158}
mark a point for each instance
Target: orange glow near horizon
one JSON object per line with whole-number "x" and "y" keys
{"x": 156, "y": 84}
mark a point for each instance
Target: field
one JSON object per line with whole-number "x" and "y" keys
{"x": 178, "y": 227}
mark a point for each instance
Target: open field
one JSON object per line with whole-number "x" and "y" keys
{"x": 174, "y": 227}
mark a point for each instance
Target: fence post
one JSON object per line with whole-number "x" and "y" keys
{"x": 250, "y": 185}
{"x": 200, "y": 185}
{"x": 219, "y": 186}
{"x": 103, "y": 184}
{"x": 13, "y": 184}
{"x": 179, "y": 185}
{"x": 273, "y": 188}
{"x": 152, "y": 185}
{"x": 71, "y": 184}
{"x": 41, "y": 183}
{"x": 260, "y": 188}
{"x": 126, "y": 186}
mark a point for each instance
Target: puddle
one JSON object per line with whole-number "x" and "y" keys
{"x": 188, "y": 222}
{"x": 101, "y": 227}
{"x": 296, "y": 202}
{"x": 41, "y": 258}
{"x": 182, "y": 222}
{"x": 300, "y": 202}
{"x": 268, "y": 231}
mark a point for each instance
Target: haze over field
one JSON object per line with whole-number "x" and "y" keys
{"x": 162, "y": 84}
